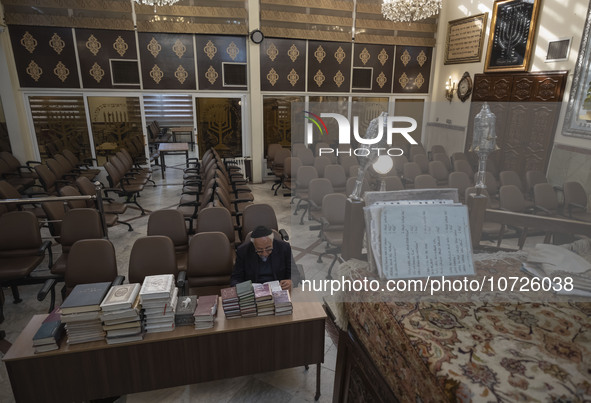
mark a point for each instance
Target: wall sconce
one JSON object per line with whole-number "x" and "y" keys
{"x": 450, "y": 87}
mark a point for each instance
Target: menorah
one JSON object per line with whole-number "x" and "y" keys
{"x": 512, "y": 30}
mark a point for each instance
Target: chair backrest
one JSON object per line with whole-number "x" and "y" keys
{"x": 292, "y": 164}
{"x": 58, "y": 169}
{"x": 297, "y": 148}
{"x": 336, "y": 175}
{"x": 416, "y": 149}
{"x": 393, "y": 183}
{"x": 443, "y": 158}
{"x": 333, "y": 208}
{"x": 534, "y": 177}
{"x": 11, "y": 160}
{"x": 86, "y": 186}
{"x": 463, "y": 166}
{"x": 280, "y": 157}
{"x": 113, "y": 175}
{"x": 90, "y": 261}
{"x": 7, "y": 191}
{"x": 19, "y": 234}
{"x": 55, "y": 212}
{"x": 438, "y": 170}
{"x": 511, "y": 178}
{"x": 411, "y": 170}
{"x": 423, "y": 162}
{"x": 545, "y": 196}
{"x": 150, "y": 256}
{"x": 511, "y": 198}
{"x": 436, "y": 148}
{"x": 399, "y": 162}
{"x": 574, "y": 193}
{"x": 72, "y": 191}
{"x": 319, "y": 188}
{"x": 305, "y": 174}
{"x": 459, "y": 156}
{"x": 209, "y": 264}
{"x": 460, "y": 181}
{"x": 351, "y": 186}
{"x": 307, "y": 156}
{"x": 320, "y": 164}
{"x": 216, "y": 219}
{"x": 47, "y": 178}
{"x": 70, "y": 156}
{"x": 170, "y": 223}
{"x": 425, "y": 181}
{"x": 347, "y": 161}
{"x": 81, "y": 223}
{"x": 258, "y": 214}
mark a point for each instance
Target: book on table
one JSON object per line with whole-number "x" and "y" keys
{"x": 158, "y": 286}
{"x": 49, "y": 333}
{"x": 185, "y": 308}
{"x": 85, "y": 298}
{"x": 120, "y": 297}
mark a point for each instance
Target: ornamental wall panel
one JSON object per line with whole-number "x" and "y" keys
{"x": 45, "y": 56}
{"x": 283, "y": 65}
{"x": 412, "y": 69}
{"x": 167, "y": 60}
{"x": 96, "y": 47}
{"x": 212, "y": 52}
{"x": 378, "y": 58}
{"x": 329, "y": 66}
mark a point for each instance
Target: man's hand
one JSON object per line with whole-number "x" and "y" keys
{"x": 285, "y": 285}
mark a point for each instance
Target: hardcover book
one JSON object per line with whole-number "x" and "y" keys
{"x": 244, "y": 288}
{"x": 206, "y": 306}
{"x": 120, "y": 297}
{"x": 158, "y": 286}
{"x": 48, "y": 333}
{"x": 85, "y": 298}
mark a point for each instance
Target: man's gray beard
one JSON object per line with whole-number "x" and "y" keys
{"x": 264, "y": 258}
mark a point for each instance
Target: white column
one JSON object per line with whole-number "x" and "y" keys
{"x": 255, "y": 97}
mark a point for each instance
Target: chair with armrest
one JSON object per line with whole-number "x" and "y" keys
{"x": 337, "y": 177}
{"x": 218, "y": 219}
{"x": 333, "y": 225}
{"x": 209, "y": 266}
{"x": 15, "y": 165}
{"x": 425, "y": 181}
{"x": 304, "y": 175}
{"x": 152, "y": 255}
{"x": 171, "y": 223}
{"x": 318, "y": 188}
{"x": 258, "y": 214}
{"x": 21, "y": 251}
{"x": 21, "y": 183}
{"x": 575, "y": 201}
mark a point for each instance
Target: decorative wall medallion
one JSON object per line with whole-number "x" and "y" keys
{"x": 420, "y": 80}
{"x": 29, "y": 42}
{"x": 403, "y": 80}
{"x": 340, "y": 55}
{"x": 293, "y": 53}
{"x": 178, "y": 48}
{"x": 339, "y": 79}
{"x": 272, "y": 76}
{"x": 93, "y": 45}
{"x": 405, "y": 57}
{"x": 364, "y": 56}
{"x": 211, "y": 75}
{"x": 319, "y": 78}
{"x": 272, "y": 52}
{"x": 320, "y": 54}
{"x": 181, "y": 74}
{"x": 422, "y": 58}
{"x": 381, "y": 80}
{"x": 154, "y": 47}
{"x": 34, "y": 70}
{"x": 383, "y": 56}
{"x": 293, "y": 77}
{"x": 156, "y": 73}
{"x": 121, "y": 47}
{"x": 61, "y": 71}
{"x": 210, "y": 50}
{"x": 57, "y": 43}
{"x": 97, "y": 72}
{"x": 232, "y": 50}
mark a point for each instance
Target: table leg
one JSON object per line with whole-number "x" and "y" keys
{"x": 162, "y": 163}
{"x": 317, "y": 396}
{"x": 187, "y": 158}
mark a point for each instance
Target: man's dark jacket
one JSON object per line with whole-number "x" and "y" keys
{"x": 247, "y": 262}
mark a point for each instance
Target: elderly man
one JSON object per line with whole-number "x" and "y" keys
{"x": 263, "y": 259}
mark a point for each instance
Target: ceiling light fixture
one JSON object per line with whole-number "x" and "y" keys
{"x": 157, "y": 3}
{"x": 410, "y": 10}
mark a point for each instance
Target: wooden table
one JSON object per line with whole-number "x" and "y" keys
{"x": 177, "y": 131}
{"x": 172, "y": 148}
{"x": 184, "y": 356}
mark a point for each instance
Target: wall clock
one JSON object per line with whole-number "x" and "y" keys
{"x": 464, "y": 87}
{"x": 257, "y": 36}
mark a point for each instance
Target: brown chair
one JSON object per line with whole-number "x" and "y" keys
{"x": 320, "y": 163}
{"x": 318, "y": 188}
{"x": 438, "y": 170}
{"x": 21, "y": 251}
{"x": 16, "y": 167}
{"x": 333, "y": 224}
{"x": 512, "y": 199}
{"x": 258, "y": 214}
{"x": 425, "y": 181}
{"x": 423, "y": 162}
{"x": 545, "y": 200}
{"x": 271, "y": 151}
{"x": 307, "y": 157}
{"x": 21, "y": 183}
{"x": 55, "y": 213}
{"x": 278, "y": 167}
{"x": 91, "y": 261}
{"x": 7, "y": 191}
{"x": 152, "y": 255}
{"x": 123, "y": 186}
{"x": 217, "y": 219}
{"x": 410, "y": 171}
{"x": 490, "y": 230}
{"x": 48, "y": 180}
{"x": 460, "y": 181}
{"x": 292, "y": 164}
{"x": 532, "y": 178}
{"x": 305, "y": 175}
{"x": 393, "y": 183}
{"x": 464, "y": 166}
{"x": 209, "y": 266}
{"x": 443, "y": 158}
{"x": 347, "y": 161}
{"x": 171, "y": 223}
{"x": 88, "y": 188}
{"x": 337, "y": 177}
{"x": 575, "y": 201}
{"x": 83, "y": 165}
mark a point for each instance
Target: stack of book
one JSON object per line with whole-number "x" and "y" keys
{"x": 282, "y": 302}
{"x": 120, "y": 314}
{"x": 185, "y": 308}
{"x": 230, "y": 302}
{"x": 81, "y": 312}
{"x": 263, "y": 299}
{"x": 207, "y": 308}
{"x": 48, "y": 336}
{"x": 159, "y": 297}
{"x": 246, "y": 299}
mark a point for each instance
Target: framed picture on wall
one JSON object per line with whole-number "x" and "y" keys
{"x": 465, "y": 39}
{"x": 511, "y": 38}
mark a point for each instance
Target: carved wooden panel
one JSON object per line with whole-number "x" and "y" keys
{"x": 412, "y": 69}
{"x": 96, "y": 47}
{"x": 167, "y": 61}
{"x": 329, "y": 66}
{"x": 283, "y": 65}
{"x": 527, "y": 107}
{"x": 45, "y": 56}
{"x": 378, "y": 58}
{"x": 212, "y": 53}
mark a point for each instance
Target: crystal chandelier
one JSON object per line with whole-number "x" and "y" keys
{"x": 410, "y": 10}
{"x": 157, "y": 3}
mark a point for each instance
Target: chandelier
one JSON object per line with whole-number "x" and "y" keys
{"x": 410, "y": 10}
{"x": 157, "y": 3}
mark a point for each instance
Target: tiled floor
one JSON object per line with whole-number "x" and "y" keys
{"x": 290, "y": 385}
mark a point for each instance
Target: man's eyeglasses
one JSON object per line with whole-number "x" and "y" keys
{"x": 267, "y": 250}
